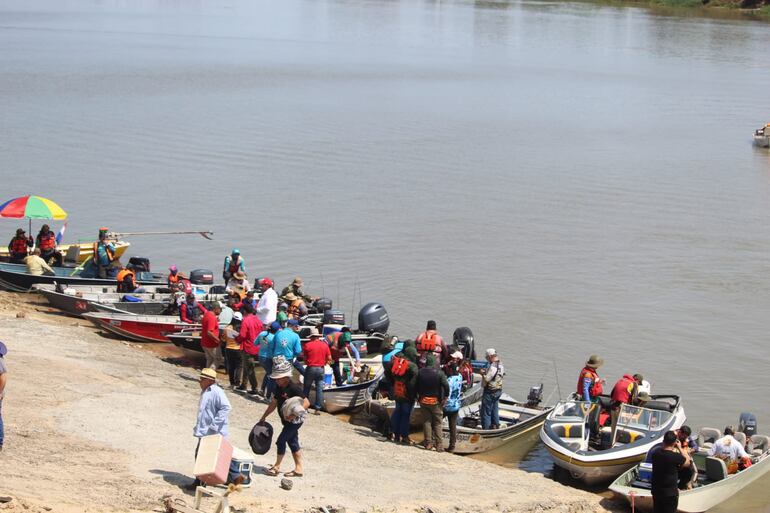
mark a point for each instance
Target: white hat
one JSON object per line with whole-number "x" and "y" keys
{"x": 491, "y": 352}
{"x": 457, "y": 355}
{"x": 237, "y": 316}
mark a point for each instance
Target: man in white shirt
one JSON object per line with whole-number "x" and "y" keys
{"x": 728, "y": 448}
{"x": 267, "y": 308}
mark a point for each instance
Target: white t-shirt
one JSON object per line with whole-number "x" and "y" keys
{"x": 267, "y": 308}
{"x": 728, "y": 448}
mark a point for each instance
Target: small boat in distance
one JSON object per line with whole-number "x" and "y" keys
{"x": 762, "y": 136}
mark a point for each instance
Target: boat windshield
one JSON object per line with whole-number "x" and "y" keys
{"x": 572, "y": 410}
{"x": 642, "y": 419}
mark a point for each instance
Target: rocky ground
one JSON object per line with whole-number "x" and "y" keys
{"x": 97, "y": 424}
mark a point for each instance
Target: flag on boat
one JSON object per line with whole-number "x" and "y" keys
{"x": 60, "y": 234}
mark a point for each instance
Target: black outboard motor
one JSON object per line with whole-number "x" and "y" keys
{"x": 535, "y": 395}
{"x": 747, "y": 424}
{"x": 373, "y": 317}
{"x": 463, "y": 338}
{"x": 322, "y": 304}
{"x": 139, "y": 264}
{"x": 334, "y": 317}
{"x": 202, "y": 277}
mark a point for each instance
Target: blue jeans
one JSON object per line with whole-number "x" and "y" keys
{"x": 289, "y": 436}
{"x": 490, "y": 403}
{"x": 267, "y": 383}
{"x": 399, "y": 421}
{"x": 315, "y": 375}
{"x": 2, "y": 431}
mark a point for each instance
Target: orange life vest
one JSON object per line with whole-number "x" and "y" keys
{"x": 175, "y": 278}
{"x": 427, "y": 341}
{"x": 399, "y": 366}
{"x": 48, "y": 241}
{"x": 122, "y": 276}
{"x": 623, "y": 390}
{"x": 19, "y": 245}
{"x": 399, "y": 390}
{"x": 596, "y": 386}
{"x": 294, "y": 311}
{"x": 107, "y": 249}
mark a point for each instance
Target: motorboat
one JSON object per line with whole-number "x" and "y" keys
{"x": 349, "y": 395}
{"x": 762, "y": 136}
{"x": 713, "y": 486}
{"x": 80, "y": 252}
{"x": 141, "y": 328}
{"x": 600, "y": 457}
{"x": 517, "y": 419}
{"x": 16, "y": 278}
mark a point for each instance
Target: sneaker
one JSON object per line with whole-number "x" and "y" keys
{"x": 252, "y": 393}
{"x": 240, "y": 389}
{"x": 406, "y": 441}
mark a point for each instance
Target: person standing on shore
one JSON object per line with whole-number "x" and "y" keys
{"x": 210, "y": 336}
{"x": 401, "y": 372}
{"x": 233, "y": 350}
{"x": 213, "y": 412}
{"x": 317, "y": 356}
{"x": 453, "y": 402}
{"x": 267, "y": 307}
{"x": 492, "y": 383}
{"x": 666, "y": 466}
{"x": 285, "y": 389}
{"x": 286, "y": 343}
{"x": 265, "y": 340}
{"x": 3, "y": 382}
{"x": 251, "y": 327}
{"x": 432, "y": 391}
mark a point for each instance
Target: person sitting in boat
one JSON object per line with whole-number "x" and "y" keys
{"x": 294, "y": 292}
{"x": 238, "y": 283}
{"x": 233, "y": 263}
{"x": 729, "y": 449}
{"x": 174, "y": 276}
{"x": 191, "y": 311}
{"x": 689, "y": 444}
{"x": 296, "y": 307}
{"x": 36, "y": 265}
{"x": 46, "y": 243}
{"x": 429, "y": 342}
{"x": 18, "y": 248}
{"x": 127, "y": 282}
{"x": 338, "y": 341}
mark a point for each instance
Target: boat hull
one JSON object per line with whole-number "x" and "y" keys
{"x": 138, "y": 328}
{"x": 77, "y": 305}
{"x": 86, "y": 250}
{"x": 346, "y": 397}
{"x": 15, "y": 277}
{"x": 762, "y": 141}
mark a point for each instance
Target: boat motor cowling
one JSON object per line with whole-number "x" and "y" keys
{"x": 139, "y": 264}
{"x": 747, "y": 423}
{"x": 373, "y": 317}
{"x": 535, "y": 395}
{"x": 202, "y": 277}
{"x": 463, "y": 338}
{"x": 322, "y": 304}
{"x": 334, "y": 317}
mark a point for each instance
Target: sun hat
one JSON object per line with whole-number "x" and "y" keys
{"x": 237, "y": 316}
{"x": 595, "y": 361}
{"x": 239, "y": 275}
{"x": 457, "y": 355}
{"x": 291, "y": 296}
{"x": 173, "y": 269}
{"x": 208, "y": 373}
{"x": 297, "y": 281}
{"x": 491, "y": 352}
{"x": 3, "y": 349}
{"x": 281, "y": 369}
{"x": 266, "y": 281}
{"x": 314, "y": 332}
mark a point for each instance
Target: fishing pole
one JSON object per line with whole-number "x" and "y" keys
{"x": 203, "y": 233}
{"x": 556, "y": 373}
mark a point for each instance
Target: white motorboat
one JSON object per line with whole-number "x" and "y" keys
{"x": 762, "y": 136}
{"x": 596, "y": 459}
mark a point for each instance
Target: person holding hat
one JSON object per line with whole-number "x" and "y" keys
{"x": 3, "y": 381}
{"x": 267, "y": 307}
{"x": 213, "y": 411}
{"x": 492, "y": 383}
{"x": 285, "y": 389}
{"x": 19, "y": 246}
{"x": 317, "y": 356}
{"x": 233, "y": 263}
{"x": 590, "y": 385}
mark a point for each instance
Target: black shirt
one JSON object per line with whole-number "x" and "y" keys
{"x": 283, "y": 394}
{"x": 665, "y": 472}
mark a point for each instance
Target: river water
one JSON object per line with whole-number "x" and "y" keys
{"x": 564, "y": 178}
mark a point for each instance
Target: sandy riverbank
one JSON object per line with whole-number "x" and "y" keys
{"x": 97, "y": 424}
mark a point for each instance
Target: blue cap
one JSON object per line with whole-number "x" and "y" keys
{"x": 236, "y": 251}
{"x": 293, "y": 322}
{"x": 275, "y": 325}
{"x": 3, "y": 349}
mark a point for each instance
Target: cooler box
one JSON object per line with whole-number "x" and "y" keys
{"x": 213, "y": 462}
{"x": 645, "y": 472}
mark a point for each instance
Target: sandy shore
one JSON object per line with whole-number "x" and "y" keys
{"x": 97, "y": 424}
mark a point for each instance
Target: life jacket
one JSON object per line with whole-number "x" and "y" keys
{"x": 623, "y": 389}
{"x": 427, "y": 341}
{"x": 596, "y": 385}
{"x": 294, "y": 311}
{"x": 235, "y": 266}
{"x": 193, "y": 311}
{"x": 107, "y": 251}
{"x": 175, "y": 278}
{"x": 399, "y": 366}
{"x": 122, "y": 275}
{"x": 428, "y": 385}
{"x": 48, "y": 241}
{"x": 19, "y": 245}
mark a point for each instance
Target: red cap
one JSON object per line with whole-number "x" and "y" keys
{"x": 266, "y": 281}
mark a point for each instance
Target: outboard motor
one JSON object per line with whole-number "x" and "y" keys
{"x": 535, "y": 395}
{"x": 322, "y": 304}
{"x": 334, "y": 317}
{"x": 463, "y": 338}
{"x": 373, "y": 317}
{"x": 202, "y": 277}
{"x": 139, "y": 264}
{"x": 747, "y": 424}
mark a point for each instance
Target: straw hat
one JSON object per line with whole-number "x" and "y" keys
{"x": 595, "y": 361}
{"x": 314, "y": 332}
{"x": 239, "y": 275}
{"x": 291, "y": 296}
{"x": 208, "y": 373}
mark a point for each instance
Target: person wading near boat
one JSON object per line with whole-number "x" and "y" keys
{"x": 213, "y": 412}
{"x": 36, "y": 266}
{"x": 402, "y": 372}
{"x": 666, "y": 465}
{"x": 267, "y": 306}
{"x": 233, "y": 349}
{"x": 285, "y": 389}
{"x": 104, "y": 255}
{"x": 492, "y": 383}
{"x": 191, "y": 311}
{"x": 3, "y": 382}
{"x": 210, "y": 336}
{"x": 18, "y": 248}
{"x": 46, "y": 243}
{"x": 429, "y": 342}
{"x": 454, "y": 398}
{"x": 432, "y": 391}
{"x": 233, "y": 263}
{"x": 251, "y": 327}
{"x": 317, "y": 356}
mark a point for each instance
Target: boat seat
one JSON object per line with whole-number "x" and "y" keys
{"x": 741, "y": 437}
{"x": 759, "y": 444}
{"x": 716, "y": 470}
{"x": 72, "y": 254}
{"x": 568, "y": 430}
{"x": 707, "y": 436}
{"x": 660, "y": 406}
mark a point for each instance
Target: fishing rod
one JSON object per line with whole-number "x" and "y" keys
{"x": 556, "y": 373}
{"x": 119, "y": 235}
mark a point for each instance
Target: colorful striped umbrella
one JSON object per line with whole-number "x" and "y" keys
{"x": 32, "y": 207}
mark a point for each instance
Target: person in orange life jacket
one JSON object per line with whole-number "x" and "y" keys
{"x": 432, "y": 392}
{"x": 19, "y": 246}
{"x": 589, "y": 387}
{"x": 233, "y": 263}
{"x": 454, "y": 398}
{"x": 191, "y": 311}
{"x": 174, "y": 276}
{"x": 625, "y": 391}
{"x": 429, "y": 341}
{"x": 127, "y": 282}
{"x": 46, "y": 243}
{"x": 338, "y": 341}
{"x": 492, "y": 383}
{"x": 401, "y": 371}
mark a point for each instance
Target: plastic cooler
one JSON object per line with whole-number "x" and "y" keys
{"x": 213, "y": 462}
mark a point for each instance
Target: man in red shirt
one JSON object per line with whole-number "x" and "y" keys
{"x": 251, "y": 327}
{"x": 317, "y": 355}
{"x": 210, "y": 336}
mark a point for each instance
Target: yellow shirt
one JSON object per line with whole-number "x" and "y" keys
{"x": 36, "y": 265}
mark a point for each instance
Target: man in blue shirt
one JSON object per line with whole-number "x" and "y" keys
{"x": 286, "y": 343}
{"x": 264, "y": 341}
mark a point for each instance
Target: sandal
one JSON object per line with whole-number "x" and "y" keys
{"x": 272, "y": 471}
{"x": 292, "y": 474}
